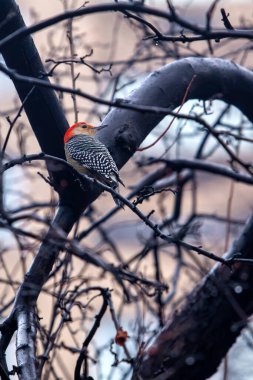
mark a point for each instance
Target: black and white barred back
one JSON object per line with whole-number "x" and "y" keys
{"x": 89, "y": 156}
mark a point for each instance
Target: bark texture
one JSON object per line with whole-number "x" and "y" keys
{"x": 202, "y": 332}
{"x": 198, "y": 336}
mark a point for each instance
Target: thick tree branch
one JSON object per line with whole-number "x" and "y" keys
{"x": 198, "y": 336}
{"x": 126, "y": 130}
{"x": 215, "y": 78}
{"x": 209, "y": 167}
{"x": 41, "y": 105}
{"x": 201, "y": 32}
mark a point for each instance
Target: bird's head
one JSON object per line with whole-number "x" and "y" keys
{"x": 80, "y": 129}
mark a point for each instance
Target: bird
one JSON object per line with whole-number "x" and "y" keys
{"x": 88, "y": 155}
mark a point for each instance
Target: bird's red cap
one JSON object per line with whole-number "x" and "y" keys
{"x": 70, "y": 132}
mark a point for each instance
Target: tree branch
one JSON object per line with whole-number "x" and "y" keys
{"x": 197, "y": 337}
{"x": 127, "y": 128}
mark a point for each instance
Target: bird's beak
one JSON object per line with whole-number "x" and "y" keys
{"x": 100, "y": 127}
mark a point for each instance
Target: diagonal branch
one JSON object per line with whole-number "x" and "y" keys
{"x": 197, "y": 337}
{"x": 126, "y": 130}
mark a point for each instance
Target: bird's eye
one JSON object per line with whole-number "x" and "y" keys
{"x": 84, "y": 126}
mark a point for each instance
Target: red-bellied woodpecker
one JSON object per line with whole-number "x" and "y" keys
{"x": 90, "y": 156}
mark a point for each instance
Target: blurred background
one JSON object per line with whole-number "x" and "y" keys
{"x": 108, "y": 55}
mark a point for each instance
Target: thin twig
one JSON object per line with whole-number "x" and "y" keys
{"x": 170, "y": 124}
